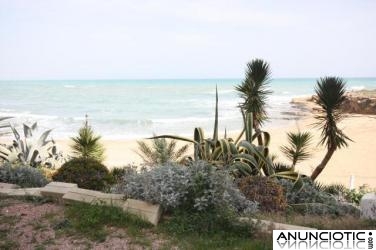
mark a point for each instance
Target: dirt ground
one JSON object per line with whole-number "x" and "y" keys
{"x": 36, "y": 225}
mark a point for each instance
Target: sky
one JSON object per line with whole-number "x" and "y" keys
{"x": 121, "y": 39}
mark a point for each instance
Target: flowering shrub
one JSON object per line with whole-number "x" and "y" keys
{"x": 198, "y": 186}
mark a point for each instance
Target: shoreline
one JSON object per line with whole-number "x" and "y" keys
{"x": 358, "y": 160}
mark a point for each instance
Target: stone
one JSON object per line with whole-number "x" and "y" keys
{"x": 8, "y": 185}
{"x": 91, "y": 196}
{"x": 269, "y": 226}
{"x": 57, "y": 189}
{"x": 81, "y": 195}
{"x": 116, "y": 200}
{"x": 368, "y": 206}
{"x": 20, "y": 191}
{"x": 145, "y": 210}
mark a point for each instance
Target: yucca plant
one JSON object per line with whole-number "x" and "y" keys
{"x": 32, "y": 150}
{"x": 330, "y": 93}
{"x": 161, "y": 151}
{"x": 86, "y": 144}
{"x": 254, "y": 92}
{"x": 298, "y": 148}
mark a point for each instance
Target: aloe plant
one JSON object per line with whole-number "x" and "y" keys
{"x": 32, "y": 150}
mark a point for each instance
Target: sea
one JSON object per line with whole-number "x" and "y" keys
{"x": 136, "y": 109}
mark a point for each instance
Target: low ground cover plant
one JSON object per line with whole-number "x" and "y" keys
{"x": 22, "y": 175}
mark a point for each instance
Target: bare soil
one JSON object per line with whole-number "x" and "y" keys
{"x": 34, "y": 225}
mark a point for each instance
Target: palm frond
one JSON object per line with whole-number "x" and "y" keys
{"x": 161, "y": 151}
{"x": 298, "y": 148}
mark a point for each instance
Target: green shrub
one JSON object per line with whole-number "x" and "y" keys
{"x": 267, "y": 192}
{"x": 86, "y": 173}
{"x": 344, "y": 193}
{"x": 354, "y": 195}
{"x": 22, "y": 175}
{"x": 118, "y": 173}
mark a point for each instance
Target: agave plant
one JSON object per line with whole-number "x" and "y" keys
{"x": 241, "y": 157}
{"x": 32, "y": 150}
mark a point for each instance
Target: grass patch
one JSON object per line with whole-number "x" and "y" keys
{"x": 6, "y": 223}
{"x": 328, "y": 222}
{"x": 35, "y": 199}
{"x": 211, "y": 230}
{"x": 91, "y": 220}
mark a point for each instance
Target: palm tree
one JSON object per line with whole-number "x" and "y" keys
{"x": 298, "y": 148}
{"x": 253, "y": 90}
{"x": 87, "y": 145}
{"x": 161, "y": 151}
{"x": 330, "y": 93}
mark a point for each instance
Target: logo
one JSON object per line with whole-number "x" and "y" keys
{"x": 324, "y": 239}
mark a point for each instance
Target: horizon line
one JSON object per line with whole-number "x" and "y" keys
{"x": 171, "y": 79}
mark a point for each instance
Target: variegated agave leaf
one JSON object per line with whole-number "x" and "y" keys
{"x": 32, "y": 150}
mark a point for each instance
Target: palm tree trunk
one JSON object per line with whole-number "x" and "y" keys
{"x": 323, "y": 163}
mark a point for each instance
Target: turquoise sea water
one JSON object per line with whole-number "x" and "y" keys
{"x": 121, "y": 109}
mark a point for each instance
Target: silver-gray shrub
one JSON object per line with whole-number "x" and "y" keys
{"x": 24, "y": 176}
{"x": 311, "y": 200}
{"x": 198, "y": 186}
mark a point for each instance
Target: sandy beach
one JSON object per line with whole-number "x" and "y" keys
{"x": 358, "y": 160}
